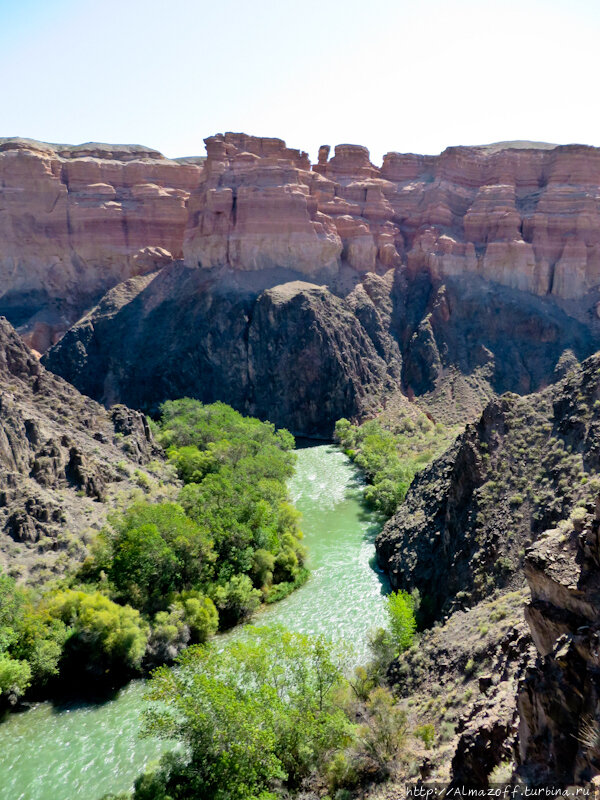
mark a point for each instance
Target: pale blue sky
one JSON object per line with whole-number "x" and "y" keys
{"x": 391, "y": 74}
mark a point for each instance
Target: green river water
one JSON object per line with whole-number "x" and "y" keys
{"x": 80, "y": 752}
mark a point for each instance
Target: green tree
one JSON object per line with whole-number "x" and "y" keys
{"x": 258, "y": 713}
{"x": 105, "y": 637}
{"x": 235, "y": 600}
{"x": 199, "y": 614}
{"x": 155, "y": 550}
{"x": 401, "y": 613}
{"x": 15, "y": 674}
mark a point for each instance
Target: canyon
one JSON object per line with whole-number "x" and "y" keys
{"x": 467, "y": 283}
{"x": 453, "y": 277}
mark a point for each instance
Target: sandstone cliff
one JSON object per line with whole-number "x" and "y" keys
{"x": 521, "y": 214}
{"x": 64, "y": 463}
{"x": 75, "y": 221}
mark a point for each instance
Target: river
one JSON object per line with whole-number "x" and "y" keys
{"x": 85, "y": 751}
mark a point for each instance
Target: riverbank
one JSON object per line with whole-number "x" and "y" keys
{"x": 88, "y": 750}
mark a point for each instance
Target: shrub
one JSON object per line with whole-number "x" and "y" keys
{"x": 15, "y": 676}
{"x": 105, "y": 637}
{"x": 199, "y": 614}
{"x": 401, "y": 613}
{"x": 235, "y": 600}
{"x": 382, "y": 736}
{"x": 427, "y": 735}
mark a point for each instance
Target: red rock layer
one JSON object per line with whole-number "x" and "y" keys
{"x": 75, "y": 221}
{"x": 524, "y": 215}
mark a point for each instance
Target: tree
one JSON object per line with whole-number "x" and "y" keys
{"x": 401, "y": 613}
{"x": 251, "y": 716}
{"x": 145, "y": 570}
{"x": 157, "y": 550}
{"x": 105, "y": 637}
{"x": 236, "y": 600}
{"x": 15, "y": 674}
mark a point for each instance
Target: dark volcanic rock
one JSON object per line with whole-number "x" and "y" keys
{"x": 60, "y": 453}
{"x": 304, "y": 355}
{"x": 467, "y": 518}
{"x": 291, "y": 352}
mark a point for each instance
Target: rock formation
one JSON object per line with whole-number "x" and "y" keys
{"x": 468, "y": 517}
{"x": 75, "y": 221}
{"x": 559, "y": 697}
{"x": 521, "y": 214}
{"x": 302, "y": 355}
{"x": 63, "y": 460}
{"x": 511, "y": 507}
{"x": 292, "y": 352}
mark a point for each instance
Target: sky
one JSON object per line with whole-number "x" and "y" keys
{"x": 403, "y": 75}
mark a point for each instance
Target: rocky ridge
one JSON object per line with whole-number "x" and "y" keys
{"x": 520, "y": 214}
{"x": 512, "y": 507}
{"x": 65, "y": 462}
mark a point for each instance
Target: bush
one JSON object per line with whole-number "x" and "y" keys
{"x": 401, "y": 613}
{"x": 105, "y": 637}
{"x": 391, "y": 459}
{"x": 427, "y": 735}
{"x": 15, "y": 676}
{"x": 236, "y": 600}
{"x": 199, "y": 614}
{"x": 382, "y": 736}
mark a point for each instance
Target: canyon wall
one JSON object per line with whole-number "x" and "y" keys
{"x": 520, "y": 214}
{"x": 75, "y": 221}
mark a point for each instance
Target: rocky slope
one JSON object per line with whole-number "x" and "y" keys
{"x": 75, "y": 221}
{"x": 65, "y": 462}
{"x": 302, "y": 355}
{"x": 512, "y": 506}
{"x": 521, "y": 468}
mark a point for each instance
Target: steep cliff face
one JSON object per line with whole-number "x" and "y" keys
{"x": 559, "y": 697}
{"x": 75, "y": 221}
{"x": 291, "y": 351}
{"x": 520, "y": 214}
{"x": 467, "y": 518}
{"x": 63, "y": 462}
{"x": 303, "y": 356}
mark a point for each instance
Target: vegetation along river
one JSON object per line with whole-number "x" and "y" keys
{"x": 85, "y": 751}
